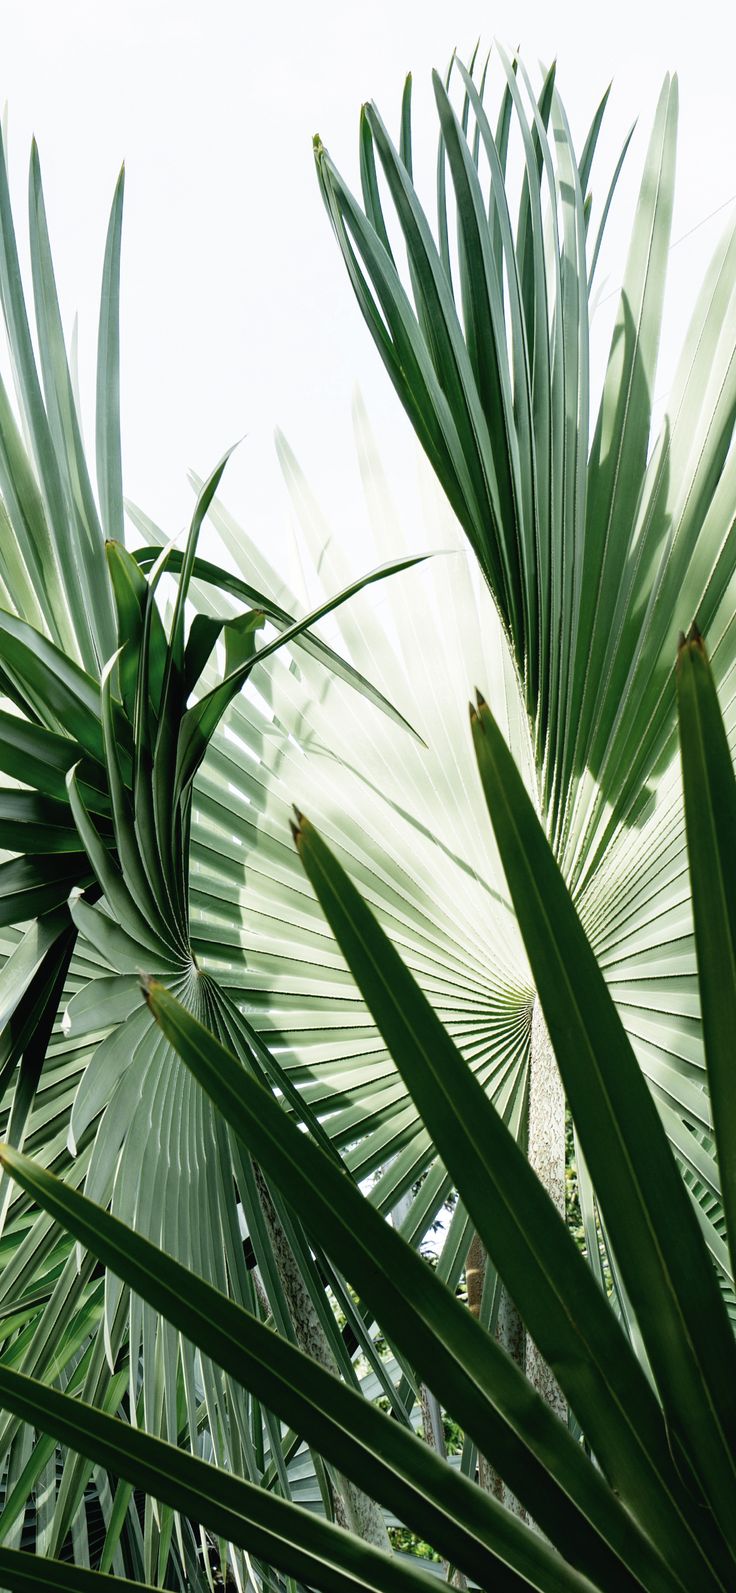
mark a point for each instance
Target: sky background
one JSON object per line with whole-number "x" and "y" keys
{"x": 236, "y": 309}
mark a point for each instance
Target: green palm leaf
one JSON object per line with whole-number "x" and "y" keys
{"x": 659, "y": 1248}
{"x": 281, "y": 1534}
{"x": 469, "y": 1527}
{"x": 629, "y": 1159}
{"x": 170, "y": 831}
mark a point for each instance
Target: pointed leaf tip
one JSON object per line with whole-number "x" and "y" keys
{"x": 693, "y": 640}
{"x": 476, "y": 711}
{"x": 296, "y": 825}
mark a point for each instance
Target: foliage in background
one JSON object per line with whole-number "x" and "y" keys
{"x": 578, "y": 669}
{"x": 624, "y": 534}
{"x": 100, "y": 760}
{"x": 655, "y": 1509}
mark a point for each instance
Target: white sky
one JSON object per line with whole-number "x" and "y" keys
{"x": 237, "y": 312}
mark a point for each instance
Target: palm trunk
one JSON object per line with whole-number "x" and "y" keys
{"x": 546, "y": 1151}
{"x": 432, "y": 1427}
{"x": 353, "y": 1508}
{"x": 510, "y": 1335}
{"x": 431, "y": 1409}
{"x": 475, "y": 1271}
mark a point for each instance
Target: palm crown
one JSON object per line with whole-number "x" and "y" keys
{"x": 147, "y": 782}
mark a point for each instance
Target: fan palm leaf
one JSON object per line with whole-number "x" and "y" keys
{"x": 498, "y": 392}
{"x": 658, "y": 1511}
{"x": 101, "y": 745}
{"x": 437, "y": 633}
{"x": 594, "y": 546}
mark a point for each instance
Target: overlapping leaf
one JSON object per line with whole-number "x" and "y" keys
{"x": 487, "y": 342}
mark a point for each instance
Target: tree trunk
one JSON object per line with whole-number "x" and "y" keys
{"x": 510, "y": 1335}
{"x": 431, "y": 1409}
{"x": 546, "y": 1151}
{"x": 353, "y": 1508}
{"x": 432, "y": 1427}
{"x": 546, "y": 1154}
{"x": 475, "y": 1271}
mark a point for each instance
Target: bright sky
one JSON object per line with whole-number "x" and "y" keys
{"x": 237, "y": 313}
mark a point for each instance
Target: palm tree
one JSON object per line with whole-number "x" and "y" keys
{"x": 92, "y": 1086}
{"x": 655, "y": 1509}
{"x": 100, "y": 747}
{"x": 594, "y": 545}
